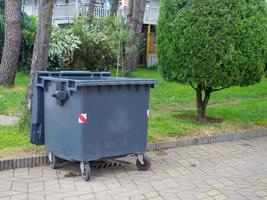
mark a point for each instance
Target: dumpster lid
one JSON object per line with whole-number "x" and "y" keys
{"x": 72, "y": 74}
{"x": 117, "y": 81}
{"x": 99, "y": 81}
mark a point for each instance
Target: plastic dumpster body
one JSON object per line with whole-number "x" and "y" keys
{"x": 91, "y": 116}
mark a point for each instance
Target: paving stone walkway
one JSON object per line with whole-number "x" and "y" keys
{"x": 233, "y": 170}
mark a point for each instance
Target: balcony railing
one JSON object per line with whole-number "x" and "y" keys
{"x": 65, "y": 13}
{"x": 30, "y": 10}
{"x": 151, "y": 15}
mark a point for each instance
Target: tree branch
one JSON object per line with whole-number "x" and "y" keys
{"x": 207, "y": 97}
{"x": 190, "y": 82}
{"x": 215, "y": 90}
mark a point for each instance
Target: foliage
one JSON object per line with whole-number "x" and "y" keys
{"x": 62, "y": 46}
{"x": 173, "y": 107}
{"x": 93, "y": 46}
{"x": 12, "y": 100}
{"x": 2, "y": 5}
{"x": 28, "y": 34}
{"x": 217, "y": 43}
{"x": 121, "y": 34}
{"x": 212, "y": 44}
{"x": 96, "y": 51}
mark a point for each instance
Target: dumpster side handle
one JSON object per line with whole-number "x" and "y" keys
{"x": 61, "y": 97}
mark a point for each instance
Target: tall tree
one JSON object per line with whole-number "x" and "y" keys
{"x": 12, "y": 42}
{"x": 114, "y": 7}
{"x": 135, "y": 17}
{"x": 2, "y": 27}
{"x": 41, "y": 45}
{"x": 212, "y": 45}
{"x": 91, "y": 10}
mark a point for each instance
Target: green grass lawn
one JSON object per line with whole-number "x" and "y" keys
{"x": 12, "y": 100}
{"x": 172, "y": 104}
{"x": 172, "y": 111}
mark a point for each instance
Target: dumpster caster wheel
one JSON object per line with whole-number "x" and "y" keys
{"x": 86, "y": 171}
{"x": 143, "y": 163}
{"x": 53, "y": 160}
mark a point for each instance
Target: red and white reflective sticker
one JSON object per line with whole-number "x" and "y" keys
{"x": 148, "y": 113}
{"x": 82, "y": 118}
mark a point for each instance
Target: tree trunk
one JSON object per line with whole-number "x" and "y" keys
{"x": 114, "y": 8}
{"x": 91, "y": 11}
{"x": 135, "y": 17}
{"x": 41, "y": 45}
{"x": 12, "y": 42}
{"x": 202, "y": 103}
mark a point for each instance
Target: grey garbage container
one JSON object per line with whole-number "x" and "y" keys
{"x": 84, "y": 116}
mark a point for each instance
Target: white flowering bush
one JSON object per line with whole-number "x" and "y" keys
{"x": 62, "y": 46}
{"x": 96, "y": 53}
{"x": 97, "y": 46}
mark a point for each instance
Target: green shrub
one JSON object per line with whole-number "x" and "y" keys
{"x": 62, "y": 46}
{"x": 212, "y": 44}
{"x": 121, "y": 34}
{"x": 28, "y": 33}
{"x": 96, "y": 52}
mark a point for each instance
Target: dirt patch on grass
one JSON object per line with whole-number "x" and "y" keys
{"x": 210, "y": 120}
{"x": 192, "y": 106}
{"x": 206, "y": 132}
{"x": 6, "y": 120}
{"x": 234, "y": 130}
{"x": 21, "y": 151}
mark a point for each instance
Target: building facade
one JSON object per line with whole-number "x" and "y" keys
{"x": 66, "y": 10}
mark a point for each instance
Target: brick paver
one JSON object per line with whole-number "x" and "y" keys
{"x": 233, "y": 170}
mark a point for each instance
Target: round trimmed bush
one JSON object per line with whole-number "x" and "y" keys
{"x": 212, "y": 44}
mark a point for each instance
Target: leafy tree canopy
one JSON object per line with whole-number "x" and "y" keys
{"x": 213, "y": 43}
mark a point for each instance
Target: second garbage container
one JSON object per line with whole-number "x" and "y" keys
{"x": 90, "y": 116}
